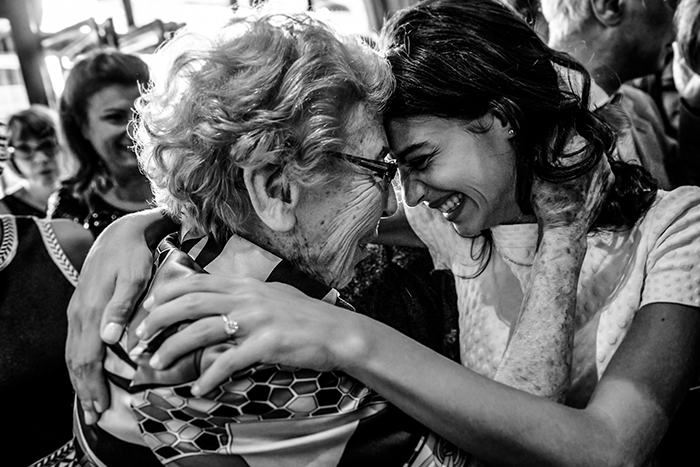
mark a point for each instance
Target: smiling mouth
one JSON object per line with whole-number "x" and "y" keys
{"x": 449, "y": 205}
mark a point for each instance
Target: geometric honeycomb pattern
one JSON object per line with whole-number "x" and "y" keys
{"x": 175, "y": 423}
{"x": 434, "y": 451}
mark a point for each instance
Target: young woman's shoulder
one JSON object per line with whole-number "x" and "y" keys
{"x": 671, "y": 235}
{"x": 678, "y": 208}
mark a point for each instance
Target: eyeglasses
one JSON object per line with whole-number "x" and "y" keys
{"x": 27, "y": 152}
{"x": 386, "y": 169}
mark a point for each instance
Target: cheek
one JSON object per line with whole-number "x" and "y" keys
{"x": 353, "y": 221}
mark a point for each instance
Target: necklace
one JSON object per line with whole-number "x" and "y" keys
{"x": 511, "y": 260}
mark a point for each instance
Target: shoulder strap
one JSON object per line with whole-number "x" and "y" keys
{"x": 55, "y": 251}
{"x": 8, "y": 240}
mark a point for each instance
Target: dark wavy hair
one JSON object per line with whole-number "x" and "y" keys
{"x": 460, "y": 60}
{"x": 93, "y": 72}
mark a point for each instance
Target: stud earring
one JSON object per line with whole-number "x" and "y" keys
{"x": 511, "y": 132}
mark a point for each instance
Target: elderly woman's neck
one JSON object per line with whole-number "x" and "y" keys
{"x": 287, "y": 246}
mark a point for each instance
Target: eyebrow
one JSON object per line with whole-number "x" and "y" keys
{"x": 401, "y": 156}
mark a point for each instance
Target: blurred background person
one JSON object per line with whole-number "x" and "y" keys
{"x": 618, "y": 41}
{"x": 39, "y": 264}
{"x": 686, "y": 77}
{"x": 34, "y": 154}
{"x": 531, "y": 11}
{"x": 95, "y": 109}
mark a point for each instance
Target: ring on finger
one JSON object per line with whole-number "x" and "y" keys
{"x": 230, "y": 326}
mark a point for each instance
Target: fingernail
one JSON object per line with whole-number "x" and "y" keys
{"x": 148, "y": 303}
{"x": 137, "y": 351}
{"x": 90, "y": 418}
{"x": 112, "y": 332}
{"x": 98, "y": 407}
{"x": 140, "y": 330}
{"x": 196, "y": 390}
{"x": 155, "y": 362}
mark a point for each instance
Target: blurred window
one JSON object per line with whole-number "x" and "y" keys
{"x": 13, "y": 94}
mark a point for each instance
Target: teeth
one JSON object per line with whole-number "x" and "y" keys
{"x": 452, "y": 203}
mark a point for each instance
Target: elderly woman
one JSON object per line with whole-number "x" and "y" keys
{"x": 265, "y": 141}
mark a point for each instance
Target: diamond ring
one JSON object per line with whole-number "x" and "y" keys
{"x": 230, "y": 327}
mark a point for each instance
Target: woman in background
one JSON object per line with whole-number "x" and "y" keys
{"x": 95, "y": 110}
{"x": 39, "y": 264}
{"x": 34, "y": 151}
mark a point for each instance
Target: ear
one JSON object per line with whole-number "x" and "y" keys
{"x": 273, "y": 198}
{"x": 608, "y": 12}
{"x": 501, "y": 124}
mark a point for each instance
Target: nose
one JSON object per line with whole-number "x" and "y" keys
{"x": 413, "y": 190}
{"x": 390, "y": 202}
{"x": 40, "y": 157}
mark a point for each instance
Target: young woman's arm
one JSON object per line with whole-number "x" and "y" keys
{"x": 113, "y": 278}
{"x": 627, "y": 415}
{"x": 624, "y": 421}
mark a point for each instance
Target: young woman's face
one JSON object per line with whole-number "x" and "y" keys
{"x": 469, "y": 177}
{"x": 108, "y": 113}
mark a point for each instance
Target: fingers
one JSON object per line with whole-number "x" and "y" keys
{"x": 126, "y": 294}
{"x": 91, "y": 390}
{"x": 194, "y": 283}
{"x": 201, "y": 333}
{"x": 84, "y": 355}
{"x": 234, "y": 359}
{"x": 192, "y": 306}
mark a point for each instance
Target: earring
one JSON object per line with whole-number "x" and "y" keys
{"x": 511, "y": 132}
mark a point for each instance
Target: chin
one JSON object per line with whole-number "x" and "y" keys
{"x": 467, "y": 230}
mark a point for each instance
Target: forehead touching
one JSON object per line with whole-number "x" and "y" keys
{"x": 418, "y": 133}
{"x": 365, "y": 133}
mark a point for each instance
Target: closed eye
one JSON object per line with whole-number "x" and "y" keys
{"x": 420, "y": 162}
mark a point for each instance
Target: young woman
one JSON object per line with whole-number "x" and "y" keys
{"x": 95, "y": 109}
{"x": 478, "y": 119}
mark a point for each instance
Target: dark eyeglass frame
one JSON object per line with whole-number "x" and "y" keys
{"x": 49, "y": 146}
{"x": 384, "y": 170}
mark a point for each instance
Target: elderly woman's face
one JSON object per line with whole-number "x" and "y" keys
{"x": 337, "y": 221}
